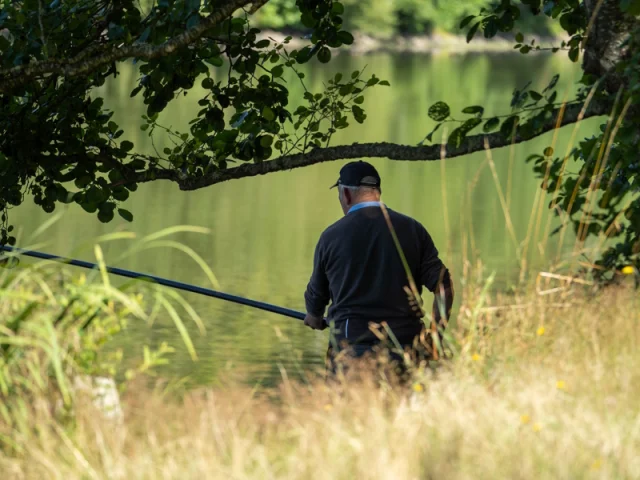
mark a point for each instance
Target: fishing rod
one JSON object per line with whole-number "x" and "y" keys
{"x": 163, "y": 281}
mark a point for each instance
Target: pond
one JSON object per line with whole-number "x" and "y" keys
{"x": 263, "y": 230}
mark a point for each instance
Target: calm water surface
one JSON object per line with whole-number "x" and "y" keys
{"x": 263, "y": 229}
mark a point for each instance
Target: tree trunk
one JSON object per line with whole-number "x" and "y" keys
{"x": 603, "y": 49}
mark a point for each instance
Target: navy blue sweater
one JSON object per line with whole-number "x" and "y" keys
{"x": 358, "y": 269}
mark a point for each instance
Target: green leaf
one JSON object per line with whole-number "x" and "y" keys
{"x": 508, "y": 125}
{"x": 519, "y": 37}
{"x": 430, "y": 136}
{"x": 472, "y": 31}
{"x": 89, "y": 207}
{"x": 94, "y": 194}
{"x": 552, "y": 83}
{"x": 215, "y": 61}
{"x": 491, "y": 124}
{"x": 134, "y": 92}
{"x": 277, "y": 71}
{"x": 137, "y": 164}
{"x": 263, "y": 43}
{"x": 470, "y": 124}
{"x": 324, "y": 55}
{"x": 535, "y": 95}
{"x": 304, "y": 54}
{"x": 345, "y": 37}
{"x": 466, "y": 21}
{"x": 548, "y": 152}
{"x": 373, "y": 81}
{"x": 385, "y": 83}
{"x": 268, "y": 114}
{"x": 476, "y": 109}
{"x": 337, "y": 8}
{"x": 308, "y": 20}
{"x": 574, "y": 54}
{"x": 439, "y": 111}
{"x": 126, "y": 214}
{"x": 120, "y": 194}
{"x": 126, "y": 145}
{"x": 83, "y": 181}
{"x": 456, "y": 137}
{"x": 358, "y": 100}
{"x": 105, "y": 216}
{"x": 207, "y": 83}
{"x": 266, "y": 141}
{"x": 346, "y": 89}
{"x": 491, "y": 28}
{"x": 358, "y": 114}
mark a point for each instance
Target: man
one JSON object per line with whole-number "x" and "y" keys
{"x": 358, "y": 267}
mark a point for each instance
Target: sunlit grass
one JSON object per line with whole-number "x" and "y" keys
{"x": 541, "y": 387}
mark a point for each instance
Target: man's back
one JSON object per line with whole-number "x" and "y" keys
{"x": 358, "y": 267}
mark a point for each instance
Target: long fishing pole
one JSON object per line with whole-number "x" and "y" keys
{"x": 163, "y": 281}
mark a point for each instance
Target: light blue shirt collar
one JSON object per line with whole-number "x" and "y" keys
{"x": 358, "y": 206}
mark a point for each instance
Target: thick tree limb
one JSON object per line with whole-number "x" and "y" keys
{"x": 391, "y": 151}
{"x": 605, "y": 48}
{"x": 83, "y": 64}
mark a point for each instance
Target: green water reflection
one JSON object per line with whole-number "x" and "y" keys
{"x": 264, "y": 229}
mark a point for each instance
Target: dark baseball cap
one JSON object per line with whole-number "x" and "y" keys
{"x": 358, "y": 174}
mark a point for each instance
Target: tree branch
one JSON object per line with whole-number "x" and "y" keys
{"x": 391, "y": 151}
{"x": 81, "y": 65}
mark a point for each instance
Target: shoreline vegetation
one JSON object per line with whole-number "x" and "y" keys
{"x": 428, "y": 43}
{"x": 530, "y": 372}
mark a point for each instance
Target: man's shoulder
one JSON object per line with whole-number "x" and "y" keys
{"x": 335, "y": 228}
{"x": 401, "y": 217}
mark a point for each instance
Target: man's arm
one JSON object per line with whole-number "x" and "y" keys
{"x": 436, "y": 277}
{"x": 443, "y": 300}
{"x": 317, "y": 295}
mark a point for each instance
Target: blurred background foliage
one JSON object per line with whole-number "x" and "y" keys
{"x": 386, "y": 18}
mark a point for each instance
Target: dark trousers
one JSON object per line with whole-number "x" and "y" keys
{"x": 353, "y": 339}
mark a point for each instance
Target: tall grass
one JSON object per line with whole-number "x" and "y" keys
{"x": 57, "y": 327}
{"x": 541, "y": 387}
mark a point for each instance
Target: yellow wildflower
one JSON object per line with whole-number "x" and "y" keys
{"x": 525, "y": 419}
{"x": 328, "y": 407}
{"x": 537, "y": 427}
{"x": 561, "y": 385}
{"x": 628, "y": 270}
{"x": 417, "y": 387}
{"x": 540, "y": 331}
{"x": 596, "y": 464}
{"x": 476, "y": 358}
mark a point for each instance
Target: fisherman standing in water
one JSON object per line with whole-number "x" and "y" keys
{"x": 358, "y": 267}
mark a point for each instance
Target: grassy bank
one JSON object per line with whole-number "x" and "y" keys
{"x": 540, "y": 386}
